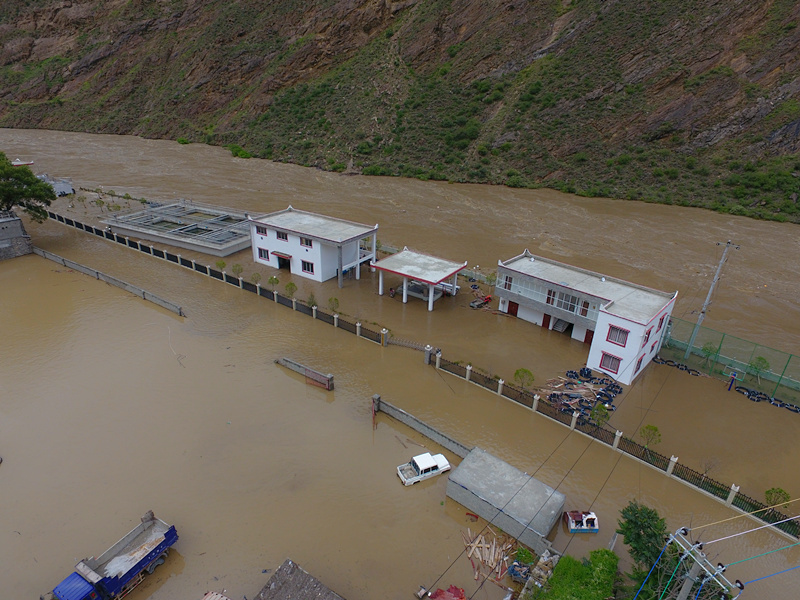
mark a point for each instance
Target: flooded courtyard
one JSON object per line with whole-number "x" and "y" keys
{"x": 110, "y": 406}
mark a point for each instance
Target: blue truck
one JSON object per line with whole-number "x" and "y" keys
{"x": 120, "y": 568}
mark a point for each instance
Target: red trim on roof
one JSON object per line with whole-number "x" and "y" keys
{"x": 419, "y": 278}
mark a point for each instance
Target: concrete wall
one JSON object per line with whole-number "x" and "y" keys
{"x": 112, "y": 280}
{"x": 437, "y": 436}
{"x": 14, "y": 240}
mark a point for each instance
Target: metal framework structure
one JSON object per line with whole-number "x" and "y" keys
{"x": 187, "y": 224}
{"x": 698, "y": 574}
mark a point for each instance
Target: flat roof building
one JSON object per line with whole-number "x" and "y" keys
{"x": 311, "y": 245}
{"x": 517, "y": 503}
{"x": 623, "y": 321}
{"x": 292, "y": 582}
{"x": 424, "y": 276}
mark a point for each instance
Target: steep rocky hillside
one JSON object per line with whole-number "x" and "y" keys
{"x": 695, "y": 102}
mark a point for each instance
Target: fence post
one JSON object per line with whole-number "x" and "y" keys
{"x": 335, "y": 320}
{"x": 179, "y": 259}
{"x": 240, "y": 279}
{"x": 258, "y": 289}
{"x": 274, "y": 295}
{"x": 672, "y": 461}
{"x": 294, "y": 303}
{"x": 439, "y": 359}
{"x": 500, "y": 387}
{"x": 617, "y": 437}
{"x": 732, "y": 494}
{"x": 151, "y": 249}
{"x": 127, "y": 241}
{"x": 535, "y": 402}
{"x": 358, "y": 329}
{"x": 384, "y": 336}
{"x": 574, "y": 419}
{"x": 469, "y": 372}
{"x": 116, "y": 239}
{"x": 314, "y": 312}
{"x": 428, "y": 352}
{"x": 194, "y": 265}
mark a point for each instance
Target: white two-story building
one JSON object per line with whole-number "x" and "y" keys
{"x": 624, "y": 322}
{"x": 312, "y": 245}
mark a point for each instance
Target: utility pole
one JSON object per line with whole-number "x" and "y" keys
{"x": 702, "y": 315}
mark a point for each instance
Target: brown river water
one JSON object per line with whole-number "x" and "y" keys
{"x": 110, "y": 406}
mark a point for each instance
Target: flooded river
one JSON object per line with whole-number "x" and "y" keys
{"x": 110, "y": 406}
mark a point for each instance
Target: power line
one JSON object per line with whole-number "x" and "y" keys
{"x": 746, "y": 514}
{"x": 727, "y": 537}
{"x": 764, "y": 554}
{"x": 500, "y": 510}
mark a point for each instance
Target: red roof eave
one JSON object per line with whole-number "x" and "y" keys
{"x": 419, "y": 278}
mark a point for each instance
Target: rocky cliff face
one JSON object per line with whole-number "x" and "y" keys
{"x": 696, "y": 102}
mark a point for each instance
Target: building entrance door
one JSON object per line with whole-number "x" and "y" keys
{"x": 546, "y": 322}
{"x": 513, "y": 307}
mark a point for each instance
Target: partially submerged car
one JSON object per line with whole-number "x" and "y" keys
{"x": 422, "y": 467}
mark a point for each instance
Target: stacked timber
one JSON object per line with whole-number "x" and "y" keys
{"x": 489, "y": 554}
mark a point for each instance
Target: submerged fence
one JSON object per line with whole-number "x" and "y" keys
{"x": 144, "y": 294}
{"x": 290, "y": 302}
{"x": 733, "y": 356}
{"x": 720, "y": 355}
{"x": 730, "y": 495}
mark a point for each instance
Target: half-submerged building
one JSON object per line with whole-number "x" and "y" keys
{"x": 311, "y": 245}
{"x": 624, "y": 322}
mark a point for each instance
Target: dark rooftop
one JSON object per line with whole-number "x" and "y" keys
{"x": 291, "y": 582}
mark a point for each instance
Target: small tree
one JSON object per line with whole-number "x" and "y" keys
{"x": 333, "y": 304}
{"x": 290, "y": 288}
{"x": 255, "y": 278}
{"x": 237, "y": 269}
{"x": 757, "y": 366}
{"x": 644, "y": 531}
{"x": 600, "y": 415}
{"x": 312, "y": 300}
{"x": 708, "y": 350}
{"x": 650, "y": 435}
{"x": 777, "y": 496}
{"x": 523, "y": 377}
{"x": 707, "y": 465}
{"x": 220, "y": 264}
{"x": 20, "y": 187}
{"x": 273, "y": 281}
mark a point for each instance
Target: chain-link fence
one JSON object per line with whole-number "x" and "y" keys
{"x": 756, "y": 367}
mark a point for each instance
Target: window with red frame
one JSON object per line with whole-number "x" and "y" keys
{"x": 609, "y": 362}
{"x": 617, "y": 335}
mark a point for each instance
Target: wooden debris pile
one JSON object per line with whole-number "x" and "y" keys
{"x": 569, "y": 391}
{"x": 489, "y": 554}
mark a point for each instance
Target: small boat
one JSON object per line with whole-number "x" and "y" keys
{"x": 21, "y": 163}
{"x": 581, "y": 521}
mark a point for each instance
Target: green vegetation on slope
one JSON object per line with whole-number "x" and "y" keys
{"x": 645, "y": 100}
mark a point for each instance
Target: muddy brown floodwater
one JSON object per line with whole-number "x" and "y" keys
{"x": 110, "y": 406}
